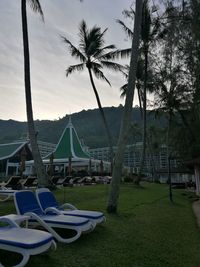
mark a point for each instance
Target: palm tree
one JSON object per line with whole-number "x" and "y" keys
{"x": 146, "y": 37}
{"x": 94, "y": 56}
{"x": 126, "y": 119}
{"x": 39, "y": 167}
{"x": 149, "y": 30}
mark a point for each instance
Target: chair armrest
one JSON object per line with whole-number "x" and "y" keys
{"x": 8, "y": 220}
{"x": 3, "y": 187}
{"x": 14, "y": 219}
{"x": 53, "y": 210}
{"x": 68, "y": 206}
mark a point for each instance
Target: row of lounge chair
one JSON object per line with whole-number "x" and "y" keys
{"x": 87, "y": 180}
{"x": 16, "y": 182}
{"x": 41, "y": 209}
{"x": 7, "y": 189}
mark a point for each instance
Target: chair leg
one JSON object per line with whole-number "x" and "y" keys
{"x": 24, "y": 260}
{"x": 53, "y": 232}
{"x": 5, "y": 199}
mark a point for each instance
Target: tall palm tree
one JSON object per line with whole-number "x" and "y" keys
{"x": 149, "y": 31}
{"x": 146, "y": 38}
{"x": 94, "y": 56}
{"x": 126, "y": 118}
{"x": 39, "y": 167}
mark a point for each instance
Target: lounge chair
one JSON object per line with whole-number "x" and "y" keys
{"x": 6, "y": 194}
{"x": 58, "y": 181}
{"x": 68, "y": 182}
{"x": 12, "y": 183}
{"x": 29, "y": 182}
{"x": 55, "y": 179}
{"x": 65, "y": 181}
{"x": 24, "y": 241}
{"x": 26, "y": 204}
{"x": 48, "y": 202}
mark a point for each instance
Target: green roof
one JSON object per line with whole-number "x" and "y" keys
{"x": 9, "y": 150}
{"x": 69, "y": 145}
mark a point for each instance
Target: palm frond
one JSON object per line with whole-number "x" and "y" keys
{"x": 127, "y": 30}
{"x": 123, "y": 90}
{"x": 95, "y": 41}
{"x": 100, "y": 52}
{"x": 124, "y": 73}
{"x": 73, "y": 68}
{"x": 36, "y": 7}
{"x": 99, "y": 74}
{"x": 92, "y": 48}
{"x": 121, "y": 53}
{"x": 112, "y": 65}
{"x": 129, "y": 13}
{"x": 112, "y": 46}
{"x": 73, "y": 50}
{"x": 96, "y": 65}
{"x": 83, "y": 34}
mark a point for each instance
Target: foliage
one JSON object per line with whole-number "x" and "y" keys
{"x": 150, "y": 26}
{"x": 87, "y": 123}
{"x": 176, "y": 74}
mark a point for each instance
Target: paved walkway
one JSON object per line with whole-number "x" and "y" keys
{"x": 196, "y": 209}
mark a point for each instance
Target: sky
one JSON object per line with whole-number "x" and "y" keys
{"x": 54, "y": 95}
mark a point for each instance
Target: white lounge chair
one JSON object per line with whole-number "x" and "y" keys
{"x": 24, "y": 241}
{"x": 26, "y": 204}
{"x": 48, "y": 203}
{"x": 6, "y": 194}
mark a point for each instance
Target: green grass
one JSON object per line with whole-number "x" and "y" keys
{"x": 148, "y": 231}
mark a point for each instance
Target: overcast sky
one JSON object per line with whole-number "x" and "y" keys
{"x": 53, "y": 94}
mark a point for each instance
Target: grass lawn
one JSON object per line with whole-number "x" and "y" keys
{"x": 149, "y": 231}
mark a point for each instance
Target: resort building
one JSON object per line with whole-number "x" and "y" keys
{"x": 133, "y": 154}
{"x": 44, "y": 147}
{"x": 156, "y": 162}
{"x": 11, "y": 157}
{"x": 68, "y": 156}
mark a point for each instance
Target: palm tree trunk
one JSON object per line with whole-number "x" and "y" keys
{"x": 40, "y": 170}
{"x": 126, "y": 119}
{"x": 142, "y": 161}
{"x": 169, "y": 156}
{"x": 140, "y": 100}
{"x": 103, "y": 118}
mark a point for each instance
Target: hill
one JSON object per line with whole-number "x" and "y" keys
{"x": 87, "y": 123}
